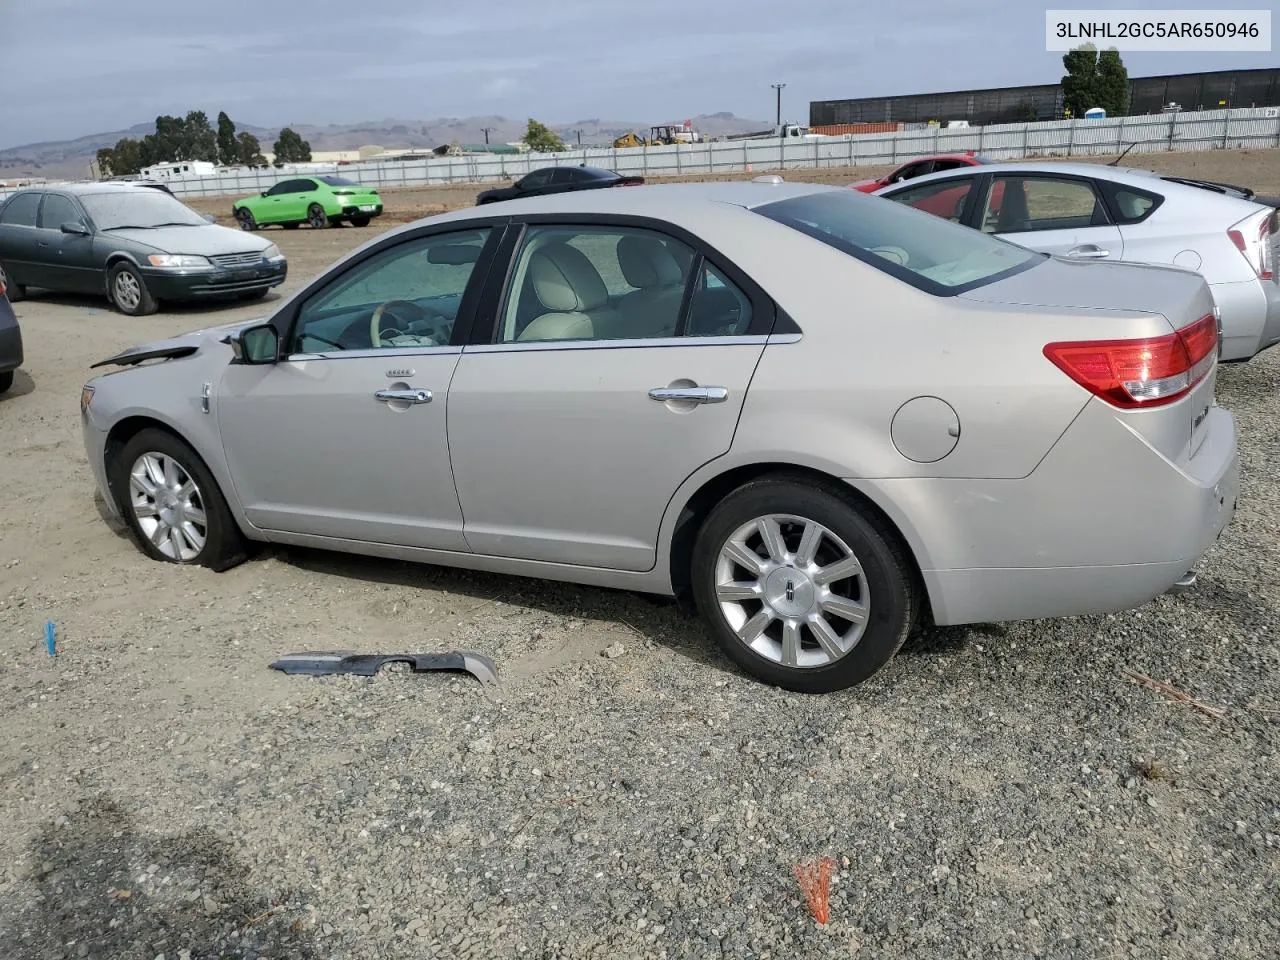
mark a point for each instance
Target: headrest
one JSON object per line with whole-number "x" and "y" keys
{"x": 564, "y": 280}
{"x": 645, "y": 262}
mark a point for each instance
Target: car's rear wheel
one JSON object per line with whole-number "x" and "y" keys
{"x": 246, "y": 220}
{"x": 316, "y": 216}
{"x": 15, "y": 291}
{"x": 359, "y": 221}
{"x": 172, "y": 504}
{"x": 129, "y": 291}
{"x": 6, "y": 381}
{"x": 802, "y": 588}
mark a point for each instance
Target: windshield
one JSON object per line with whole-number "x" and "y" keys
{"x": 928, "y": 252}
{"x": 339, "y": 182}
{"x": 139, "y": 208}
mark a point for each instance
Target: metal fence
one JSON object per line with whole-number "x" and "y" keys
{"x": 1257, "y": 128}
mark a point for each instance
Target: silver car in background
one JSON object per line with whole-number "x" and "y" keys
{"x": 819, "y": 415}
{"x": 1088, "y": 211}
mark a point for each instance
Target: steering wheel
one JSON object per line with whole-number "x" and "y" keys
{"x": 398, "y": 310}
{"x": 895, "y": 254}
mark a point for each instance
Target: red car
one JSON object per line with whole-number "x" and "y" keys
{"x": 919, "y": 167}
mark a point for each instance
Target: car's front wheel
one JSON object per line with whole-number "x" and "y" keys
{"x": 129, "y": 291}
{"x": 246, "y": 220}
{"x": 6, "y": 381}
{"x": 317, "y": 217}
{"x": 172, "y": 504}
{"x": 802, "y": 588}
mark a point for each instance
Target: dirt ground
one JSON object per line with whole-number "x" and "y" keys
{"x": 997, "y": 792}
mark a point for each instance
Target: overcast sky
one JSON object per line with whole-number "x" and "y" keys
{"x": 70, "y": 68}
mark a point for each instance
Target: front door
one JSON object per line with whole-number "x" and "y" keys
{"x": 67, "y": 258}
{"x": 599, "y": 394}
{"x": 345, "y": 438}
{"x": 1063, "y": 216}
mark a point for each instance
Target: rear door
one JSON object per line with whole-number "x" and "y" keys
{"x": 19, "y": 238}
{"x": 1061, "y": 215}
{"x": 572, "y": 423}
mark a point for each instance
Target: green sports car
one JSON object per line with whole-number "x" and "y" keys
{"x": 323, "y": 201}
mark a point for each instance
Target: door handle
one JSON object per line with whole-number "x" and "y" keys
{"x": 690, "y": 394}
{"x": 412, "y": 395}
{"x": 1088, "y": 251}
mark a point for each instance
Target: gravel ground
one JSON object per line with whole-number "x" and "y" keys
{"x": 995, "y": 792}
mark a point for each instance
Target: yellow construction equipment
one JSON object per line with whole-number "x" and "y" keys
{"x": 630, "y": 139}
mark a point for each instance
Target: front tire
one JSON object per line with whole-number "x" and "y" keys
{"x": 172, "y": 504}
{"x": 6, "y": 381}
{"x": 802, "y": 588}
{"x": 317, "y": 217}
{"x": 246, "y": 219}
{"x": 128, "y": 291}
{"x": 15, "y": 291}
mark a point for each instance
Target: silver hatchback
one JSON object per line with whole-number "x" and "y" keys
{"x": 819, "y": 415}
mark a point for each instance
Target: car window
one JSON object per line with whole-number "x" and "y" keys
{"x": 58, "y": 210}
{"x": 120, "y": 209}
{"x": 303, "y": 186}
{"x": 406, "y": 296}
{"x": 950, "y": 164}
{"x": 1020, "y": 204}
{"x": 1132, "y": 206}
{"x": 563, "y": 175}
{"x": 539, "y": 178}
{"x": 595, "y": 283}
{"x": 279, "y": 188}
{"x": 925, "y": 251}
{"x": 911, "y": 170}
{"x": 21, "y": 209}
{"x": 718, "y": 308}
{"x": 943, "y": 198}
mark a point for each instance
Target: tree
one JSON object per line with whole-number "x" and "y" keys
{"x": 1024, "y": 112}
{"x": 1079, "y": 85}
{"x": 291, "y": 148}
{"x": 542, "y": 139}
{"x": 1112, "y": 92}
{"x": 248, "y": 150}
{"x": 228, "y": 145}
{"x": 125, "y": 158}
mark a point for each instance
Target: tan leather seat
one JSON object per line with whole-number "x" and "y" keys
{"x": 653, "y": 309}
{"x": 573, "y": 295}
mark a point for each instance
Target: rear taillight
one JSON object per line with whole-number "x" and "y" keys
{"x": 1252, "y": 238}
{"x": 1149, "y": 372}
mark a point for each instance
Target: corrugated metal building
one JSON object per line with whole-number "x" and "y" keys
{"x": 1192, "y": 91}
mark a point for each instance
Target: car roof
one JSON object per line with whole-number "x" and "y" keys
{"x": 85, "y": 189}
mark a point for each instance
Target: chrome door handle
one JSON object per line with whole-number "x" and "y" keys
{"x": 1088, "y": 252}
{"x": 412, "y": 395}
{"x": 691, "y": 394}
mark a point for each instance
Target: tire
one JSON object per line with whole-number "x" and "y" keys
{"x": 6, "y": 381}
{"x": 128, "y": 291}
{"x": 317, "y": 217}
{"x": 884, "y": 586}
{"x": 222, "y": 545}
{"x": 15, "y": 291}
{"x": 359, "y": 221}
{"x": 246, "y": 220}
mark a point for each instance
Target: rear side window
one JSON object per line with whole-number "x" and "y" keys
{"x": 1129, "y": 205}
{"x": 21, "y": 209}
{"x": 925, "y": 251}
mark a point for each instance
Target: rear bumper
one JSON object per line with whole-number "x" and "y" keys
{"x": 1250, "y": 316}
{"x": 218, "y": 282}
{"x": 355, "y": 211}
{"x": 1103, "y": 524}
{"x": 10, "y": 338}
{"x": 1271, "y": 328}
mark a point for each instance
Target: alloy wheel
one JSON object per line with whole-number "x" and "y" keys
{"x": 792, "y": 591}
{"x": 168, "y": 506}
{"x": 126, "y": 291}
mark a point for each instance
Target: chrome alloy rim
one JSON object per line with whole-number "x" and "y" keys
{"x": 168, "y": 506}
{"x": 126, "y": 290}
{"x": 792, "y": 591}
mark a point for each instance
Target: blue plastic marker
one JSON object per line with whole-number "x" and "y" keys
{"x": 51, "y": 638}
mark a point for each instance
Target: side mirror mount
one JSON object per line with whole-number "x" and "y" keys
{"x": 263, "y": 193}
{"x": 76, "y": 229}
{"x": 255, "y": 345}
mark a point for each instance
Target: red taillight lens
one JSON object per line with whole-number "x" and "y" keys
{"x": 1149, "y": 372}
{"x": 1257, "y": 251}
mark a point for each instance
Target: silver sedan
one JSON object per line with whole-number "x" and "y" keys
{"x": 819, "y": 415}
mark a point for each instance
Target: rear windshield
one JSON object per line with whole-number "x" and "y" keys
{"x": 339, "y": 182}
{"x": 926, "y": 251}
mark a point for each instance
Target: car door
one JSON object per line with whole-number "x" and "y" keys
{"x": 68, "y": 258}
{"x": 346, "y": 440}
{"x": 598, "y": 391}
{"x": 298, "y": 199}
{"x": 19, "y": 251}
{"x": 1061, "y": 215}
{"x": 537, "y": 182}
{"x": 275, "y": 203}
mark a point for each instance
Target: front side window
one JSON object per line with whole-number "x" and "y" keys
{"x": 939, "y": 257}
{"x": 58, "y": 210}
{"x": 943, "y": 199}
{"x": 910, "y": 171}
{"x": 539, "y": 178}
{"x": 1020, "y": 204}
{"x": 21, "y": 209}
{"x": 406, "y": 296}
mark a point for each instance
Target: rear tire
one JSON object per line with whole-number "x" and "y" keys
{"x": 15, "y": 291}
{"x": 832, "y": 600}
{"x": 246, "y": 220}
{"x": 172, "y": 504}
{"x": 316, "y": 216}
{"x": 128, "y": 291}
{"x": 6, "y": 381}
{"x": 359, "y": 221}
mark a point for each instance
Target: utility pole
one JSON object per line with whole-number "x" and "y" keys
{"x": 579, "y": 133}
{"x": 487, "y": 131}
{"x": 778, "y": 88}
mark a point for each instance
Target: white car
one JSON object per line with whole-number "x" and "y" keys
{"x": 1087, "y": 211}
